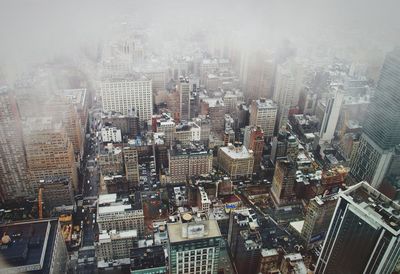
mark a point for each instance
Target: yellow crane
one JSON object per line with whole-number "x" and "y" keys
{"x": 40, "y": 205}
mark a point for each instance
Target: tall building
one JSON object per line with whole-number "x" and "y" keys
{"x": 184, "y": 102}
{"x": 283, "y": 181}
{"x": 381, "y": 127}
{"x": 131, "y": 165}
{"x": 33, "y": 247}
{"x": 254, "y": 140}
{"x": 318, "y": 218}
{"x": 363, "y": 236}
{"x": 49, "y": 151}
{"x": 194, "y": 246}
{"x": 236, "y": 160}
{"x": 285, "y": 86}
{"x": 263, "y": 114}
{"x": 331, "y": 116}
{"x": 124, "y": 95}
{"x": 13, "y": 167}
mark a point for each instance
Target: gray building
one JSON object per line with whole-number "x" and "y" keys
{"x": 363, "y": 236}
{"x": 382, "y": 126}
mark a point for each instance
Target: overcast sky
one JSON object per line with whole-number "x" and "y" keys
{"x": 35, "y": 30}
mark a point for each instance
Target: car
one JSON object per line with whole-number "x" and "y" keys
{"x": 88, "y": 181}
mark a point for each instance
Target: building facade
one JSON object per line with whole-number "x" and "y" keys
{"x": 124, "y": 95}
{"x": 365, "y": 223}
{"x": 263, "y": 114}
{"x": 237, "y": 161}
{"x": 194, "y": 247}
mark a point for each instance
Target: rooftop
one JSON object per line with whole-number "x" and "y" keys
{"x": 180, "y": 232}
{"x": 112, "y": 203}
{"x": 147, "y": 257}
{"x": 374, "y": 204}
{"x": 237, "y": 152}
{"x": 264, "y": 103}
{"x": 27, "y": 245}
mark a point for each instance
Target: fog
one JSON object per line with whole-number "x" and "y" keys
{"x": 34, "y": 31}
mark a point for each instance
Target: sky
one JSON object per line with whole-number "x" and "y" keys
{"x": 36, "y": 30}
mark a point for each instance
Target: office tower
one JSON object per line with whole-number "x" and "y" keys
{"x": 79, "y": 99}
{"x": 236, "y": 160}
{"x": 13, "y": 167}
{"x": 242, "y": 226}
{"x": 184, "y": 100}
{"x": 319, "y": 215}
{"x": 283, "y": 181}
{"x": 264, "y": 113}
{"x": 381, "y": 127}
{"x": 124, "y": 95}
{"x": 194, "y": 246}
{"x": 113, "y": 245}
{"x": 331, "y": 116}
{"x": 285, "y": 85}
{"x": 363, "y": 236}
{"x": 256, "y": 74}
{"x": 187, "y": 161}
{"x": 131, "y": 165}
{"x": 63, "y": 109}
{"x": 254, "y": 140}
{"x": 148, "y": 260}
{"x": 49, "y": 151}
{"x": 120, "y": 213}
{"x": 33, "y": 246}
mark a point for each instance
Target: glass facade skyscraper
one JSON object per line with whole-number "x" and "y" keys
{"x": 382, "y": 126}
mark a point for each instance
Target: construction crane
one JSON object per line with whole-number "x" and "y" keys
{"x": 40, "y": 205}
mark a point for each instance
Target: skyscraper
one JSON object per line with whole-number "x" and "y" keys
{"x": 363, "y": 236}
{"x": 184, "y": 102}
{"x": 13, "y": 169}
{"x": 331, "y": 116}
{"x": 285, "y": 84}
{"x": 49, "y": 152}
{"x": 382, "y": 126}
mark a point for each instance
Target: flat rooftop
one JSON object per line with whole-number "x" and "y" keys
{"x": 240, "y": 152}
{"x": 180, "y": 232}
{"x": 375, "y": 204}
{"x": 28, "y": 246}
{"x": 112, "y": 203}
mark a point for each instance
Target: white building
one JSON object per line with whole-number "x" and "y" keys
{"x": 114, "y": 245}
{"x": 120, "y": 213}
{"x": 331, "y": 116}
{"x": 204, "y": 201}
{"x": 123, "y": 95}
{"x": 111, "y": 134}
{"x": 263, "y": 114}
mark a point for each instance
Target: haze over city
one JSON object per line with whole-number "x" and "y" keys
{"x": 200, "y": 136}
